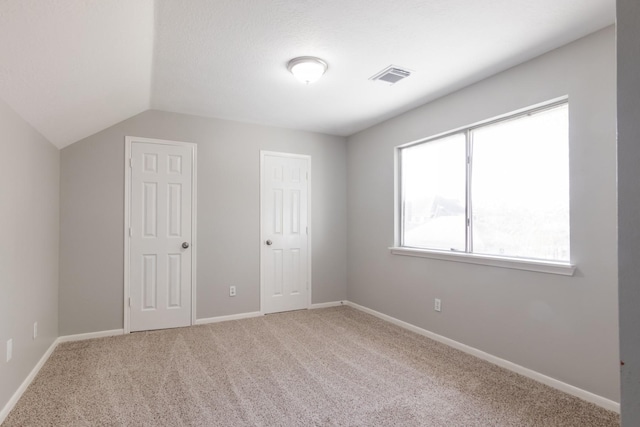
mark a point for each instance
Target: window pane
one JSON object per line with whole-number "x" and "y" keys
{"x": 520, "y": 187}
{"x": 433, "y": 203}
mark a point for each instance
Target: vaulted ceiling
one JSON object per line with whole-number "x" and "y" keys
{"x": 74, "y": 67}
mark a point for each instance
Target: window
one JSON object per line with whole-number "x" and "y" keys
{"x": 499, "y": 189}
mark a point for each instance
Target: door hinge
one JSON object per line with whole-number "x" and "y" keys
{"x": 130, "y": 162}
{"x": 129, "y": 301}
{"x": 307, "y": 230}
{"x": 130, "y": 232}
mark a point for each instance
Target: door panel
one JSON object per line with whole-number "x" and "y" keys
{"x": 284, "y": 246}
{"x": 160, "y": 268}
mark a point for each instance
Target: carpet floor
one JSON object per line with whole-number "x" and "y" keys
{"x": 327, "y": 367}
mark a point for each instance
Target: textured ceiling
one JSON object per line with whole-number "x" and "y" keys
{"x": 74, "y": 67}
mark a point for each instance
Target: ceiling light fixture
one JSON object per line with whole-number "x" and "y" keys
{"x": 307, "y": 69}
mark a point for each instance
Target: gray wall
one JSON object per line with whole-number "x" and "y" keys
{"x": 564, "y": 327}
{"x": 92, "y": 211}
{"x": 628, "y": 17}
{"x": 29, "y": 192}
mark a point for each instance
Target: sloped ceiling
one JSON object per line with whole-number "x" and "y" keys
{"x": 74, "y": 67}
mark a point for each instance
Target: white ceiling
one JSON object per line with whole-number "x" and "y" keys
{"x": 74, "y": 67}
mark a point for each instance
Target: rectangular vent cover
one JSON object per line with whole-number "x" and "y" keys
{"x": 391, "y": 75}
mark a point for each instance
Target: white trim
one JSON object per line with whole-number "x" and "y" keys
{"x": 261, "y": 197}
{"x": 551, "y": 267}
{"x": 27, "y": 381}
{"x": 90, "y": 335}
{"x": 551, "y": 103}
{"x": 229, "y": 317}
{"x": 307, "y": 157}
{"x": 327, "y": 304}
{"x": 468, "y": 256}
{"x": 397, "y": 198}
{"x": 127, "y": 222}
{"x": 309, "y": 229}
{"x": 552, "y": 382}
{"x": 127, "y": 225}
{"x": 529, "y": 373}
{"x": 194, "y": 233}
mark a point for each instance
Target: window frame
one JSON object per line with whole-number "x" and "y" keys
{"x": 544, "y": 266}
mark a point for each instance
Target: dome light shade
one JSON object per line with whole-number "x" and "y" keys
{"x": 307, "y": 69}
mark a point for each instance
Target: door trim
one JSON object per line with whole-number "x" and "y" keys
{"x": 127, "y": 221}
{"x": 263, "y": 154}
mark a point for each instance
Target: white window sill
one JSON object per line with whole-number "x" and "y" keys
{"x": 551, "y": 267}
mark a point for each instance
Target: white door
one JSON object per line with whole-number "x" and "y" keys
{"x": 284, "y": 232}
{"x": 160, "y": 235}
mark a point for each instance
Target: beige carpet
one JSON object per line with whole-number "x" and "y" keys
{"x": 328, "y": 367}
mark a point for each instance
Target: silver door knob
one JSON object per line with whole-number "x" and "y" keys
{"x": 269, "y": 242}
{"x": 185, "y": 245}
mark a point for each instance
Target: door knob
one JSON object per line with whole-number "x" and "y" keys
{"x": 269, "y": 242}
{"x": 185, "y": 245}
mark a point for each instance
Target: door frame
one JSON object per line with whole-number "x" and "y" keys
{"x": 127, "y": 221}
{"x": 263, "y": 154}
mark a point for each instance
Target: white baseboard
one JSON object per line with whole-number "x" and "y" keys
{"x": 229, "y": 317}
{"x": 551, "y": 382}
{"x": 258, "y": 313}
{"x": 27, "y": 381}
{"x": 90, "y": 335}
{"x": 23, "y": 387}
{"x": 327, "y": 304}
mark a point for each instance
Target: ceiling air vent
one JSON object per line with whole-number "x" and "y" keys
{"x": 391, "y": 75}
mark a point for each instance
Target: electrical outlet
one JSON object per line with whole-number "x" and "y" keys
{"x": 232, "y": 291}
{"x": 437, "y": 306}
{"x": 35, "y": 330}
{"x": 9, "y": 349}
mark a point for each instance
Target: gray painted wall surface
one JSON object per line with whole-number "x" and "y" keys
{"x": 92, "y": 211}
{"x": 628, "y": 18}
{"x": 29, "y": 192}
{"x": 564, "y": 327}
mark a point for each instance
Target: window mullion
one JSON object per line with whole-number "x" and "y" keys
{"x": 434, "y": 189}
{"x": 468, "y": 208}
